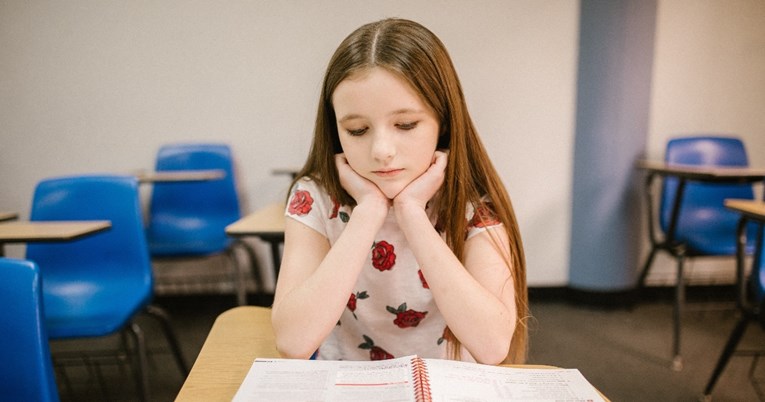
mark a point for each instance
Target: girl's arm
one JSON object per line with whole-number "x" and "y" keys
{"x": 316, "y": 280}
{"x": 477, "y": 299}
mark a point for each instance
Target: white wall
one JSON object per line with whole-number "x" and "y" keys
{"x": 709, "y": 77}
{"x": 98, "y": 86}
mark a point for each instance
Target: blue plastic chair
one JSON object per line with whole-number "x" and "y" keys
{"x": 188, "y": 219}
{"x": 27, "y": 370}
{"x": 704, "y": 227}
{"x": 95, "y": 286}
{"x": 751, "y": 303}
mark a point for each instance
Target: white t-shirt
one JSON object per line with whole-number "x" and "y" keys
{"x": 391, "y": 311}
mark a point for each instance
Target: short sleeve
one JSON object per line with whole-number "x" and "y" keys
{"x": 308, "y": 205}
{"x": 481, "y": 217}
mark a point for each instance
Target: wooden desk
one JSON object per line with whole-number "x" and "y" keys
{"x": 702, "y": 173}
{"x": 180, "y": 176}
{"x": 748, "y": 310}
{"x": 266, "y": 223}
{"x": 236, "y": 339}
{"x": 8, "y": 216}
{"x": 750, "y": 211}
{"x": 48, "y": 231}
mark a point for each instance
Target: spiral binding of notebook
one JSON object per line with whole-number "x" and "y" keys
{"x": 421, "y": 381}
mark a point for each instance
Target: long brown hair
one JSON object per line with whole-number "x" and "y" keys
{"x": 413, "y": 53}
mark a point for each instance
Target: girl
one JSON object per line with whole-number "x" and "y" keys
{"x": 401, "y": 238}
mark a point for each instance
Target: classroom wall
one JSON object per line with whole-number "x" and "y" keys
{"x": 94, "y": 86}
{"x": 98, "y": 86}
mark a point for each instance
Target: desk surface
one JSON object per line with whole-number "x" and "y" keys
{"x": 237, "y": 337}
{"x": 8, "y": 216}
{"x": 750, "y": 208}
{"x": 268, "y": 220}
{"x": 171, "y": 176}
{"x": 706, "y": 173}
{"x": 41, "y": 231}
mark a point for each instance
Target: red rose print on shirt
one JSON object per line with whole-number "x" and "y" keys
{"x": 422, "y": 279}
{"x": 337, "y": 212}
{"x": 484, "y": 216}
{"x": 406, "y": 318}
{"x": 375, "y": 352}
{"x": 383, "y": 255}
{"x": 352, "y": 301}
{"x": 301, "y": 203}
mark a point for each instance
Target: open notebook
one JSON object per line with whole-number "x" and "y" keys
{"x": 409, "y": 378}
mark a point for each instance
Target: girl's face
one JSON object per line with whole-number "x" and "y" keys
{"x": 388, "y": 134}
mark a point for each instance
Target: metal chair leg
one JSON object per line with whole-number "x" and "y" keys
{"x": 677, "y": 312}
{"x": 730, "y": 347}
{"x": 142, "y": 369}
{"x": 164, "y": 319}
{"x": 646, "y": 268}
{"x": 254, "y": 267}
{"x": 237, "y": 277}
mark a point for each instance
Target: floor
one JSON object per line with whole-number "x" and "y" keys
{"x": 624, "y": 350}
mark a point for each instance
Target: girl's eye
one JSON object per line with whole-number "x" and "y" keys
{"x": 357, "y": 132}
{"x": 407, "y": 126}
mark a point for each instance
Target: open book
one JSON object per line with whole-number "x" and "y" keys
{"x": 409, "y": 378}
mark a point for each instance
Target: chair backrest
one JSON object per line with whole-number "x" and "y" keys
{"x": 207, "y": 206}
{"x": 26, "y": 373}
{"x": 116, "y": 257}
{"x": 703, "y": 197}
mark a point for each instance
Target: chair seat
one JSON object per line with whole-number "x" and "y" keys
{"x": 87, "y": 308}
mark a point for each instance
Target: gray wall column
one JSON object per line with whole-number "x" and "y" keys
{"x": 616, "y": 46}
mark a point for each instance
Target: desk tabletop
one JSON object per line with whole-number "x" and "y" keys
{"x": 267, "y": 220}
{"x": 705, "y": 173}
{"x": 751, "y": 208}
{"x": 8, "y": 216}
{"x": 40, "y": 231}
{"x": 238, "y": 336}
{"x": 176, "y": 176}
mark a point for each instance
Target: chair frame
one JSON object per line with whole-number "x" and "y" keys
{"x": 677, "y": 249}
{"x": 750, "y": 311}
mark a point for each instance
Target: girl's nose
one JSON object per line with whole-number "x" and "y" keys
{"x": 383, "y": 147}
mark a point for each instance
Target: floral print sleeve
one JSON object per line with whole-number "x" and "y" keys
{"x": 307, "y": 203}
{"x": 481, "y": 217}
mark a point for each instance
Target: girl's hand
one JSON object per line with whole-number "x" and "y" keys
{"x": 423, "y": 188}
{"x": 361, "y": 189}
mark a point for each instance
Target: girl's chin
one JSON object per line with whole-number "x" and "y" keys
{"x": 390, "y": 190}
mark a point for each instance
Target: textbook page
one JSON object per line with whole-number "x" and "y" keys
{"x": 319, "y": 380}
{"x": 456, "y": 381}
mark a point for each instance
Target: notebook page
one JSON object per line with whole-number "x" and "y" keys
{"x": 459, "y": 381}
{"x": 319, "y": 380}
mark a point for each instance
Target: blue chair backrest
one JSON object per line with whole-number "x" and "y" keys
{"x": 703, "y": 199}
{"x": 117, "y": 255}
{"x": 215, "y": 199}
{"x": 26, "y": 372}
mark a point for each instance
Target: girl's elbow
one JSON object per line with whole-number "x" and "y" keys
{"x": 493, "y": 355}
{"x": 298, "y": 349}
{"x": 494, "y": 349}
